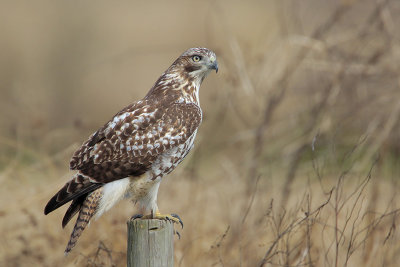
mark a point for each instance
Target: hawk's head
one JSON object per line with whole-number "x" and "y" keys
{"x": 197, "y": 62}
{"x": 186, "y": 74}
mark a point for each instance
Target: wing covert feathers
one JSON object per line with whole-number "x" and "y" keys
{"x": 88, "y": 209}
{"x": 129, "y": 143}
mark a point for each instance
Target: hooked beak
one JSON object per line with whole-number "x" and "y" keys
{"x": 214, "y": 65}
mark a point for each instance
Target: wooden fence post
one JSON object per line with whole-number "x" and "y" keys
{"x": 150, "y": 243}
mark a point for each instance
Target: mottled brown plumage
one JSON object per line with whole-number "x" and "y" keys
{"x": 130, "y": 154}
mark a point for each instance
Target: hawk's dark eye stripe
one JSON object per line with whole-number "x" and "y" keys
{"x": 190, "y": 68}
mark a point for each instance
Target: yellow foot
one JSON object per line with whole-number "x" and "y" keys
{"x": 166, "y": 217}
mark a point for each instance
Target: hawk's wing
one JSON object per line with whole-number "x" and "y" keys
{"x": 133, "y": 139}
{"x": 127, "y": 145}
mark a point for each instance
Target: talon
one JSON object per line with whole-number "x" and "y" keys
{"x": 178, "y": 234}
{"x": 177, "y": 217}
{"x": 136, "y": 216}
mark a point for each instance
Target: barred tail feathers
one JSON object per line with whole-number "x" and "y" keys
{"x": 88, "y": 209}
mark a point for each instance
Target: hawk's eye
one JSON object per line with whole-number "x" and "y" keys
{"x": 196, "y": 58}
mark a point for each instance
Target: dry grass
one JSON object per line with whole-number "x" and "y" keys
{"x": 297, "y": 160}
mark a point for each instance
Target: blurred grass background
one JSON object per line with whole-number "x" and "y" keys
{"x": 296, "y": 162}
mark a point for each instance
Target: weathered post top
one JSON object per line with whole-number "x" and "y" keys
{"x": 150, "y": 243}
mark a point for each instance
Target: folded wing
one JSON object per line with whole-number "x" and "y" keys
{"x": 126, "y": 146}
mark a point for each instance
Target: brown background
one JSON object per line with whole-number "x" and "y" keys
{"x": 306, "y": 102}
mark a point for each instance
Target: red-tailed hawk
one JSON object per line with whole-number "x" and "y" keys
{"x": 130, "y": 154}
